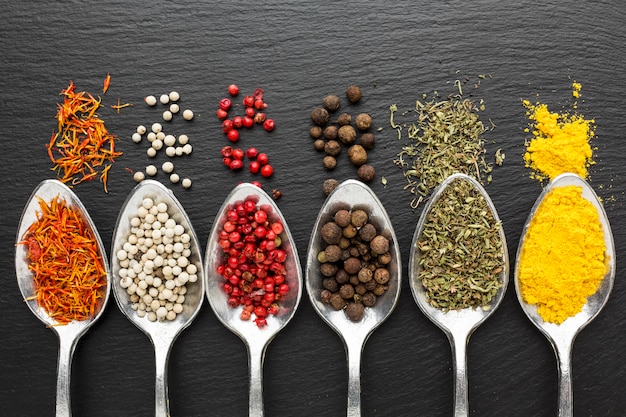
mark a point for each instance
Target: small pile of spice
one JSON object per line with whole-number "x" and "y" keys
{"x": 253, "y": 260}
{"x": 560, "y": 141}
{"x": 353, "y": 263}
{"x": 81, "y": 148}
{"x": 68, "y": 269}
{"x": 563, "y": 258}
{"x": 331, "y": 136}
{"x": 461, "y": 251}
{"x": 447, "y": 138}
{"x": 156, "y": 262}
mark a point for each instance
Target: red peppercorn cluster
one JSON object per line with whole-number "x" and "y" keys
{"x": 253, "y": 113}
{"x": 253, "y": 264}
{"x": 233, "y": 158}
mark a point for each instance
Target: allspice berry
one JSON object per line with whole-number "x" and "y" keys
{"x": 379, "y": 245}
{"x": 329, "y": 162}
{"x": 363, "y": 121}
{"x": 354, "y": 94}
{"x": 331, "y": 233}
{"x": 367, "y": 140}
{"x": 315, "y": 132}
{"x": 337, "y": 302}
{"x": 331, "y": 103}
{"x": 347, "y": 134}
{"x": 366, "y": 173}
{"x": 319, "y": 144}
{"x": 352, "y": 266}
{"x": 355, "y": 311}
{"x": 344, "y": 119}
{"x": 333, "y": 253}
{"x": 329, "y": 186}
{"x": 342, "y": 217}
{"x": 369, "y": 299}
{"x": 330, "y": 132}
{"x": 367, "y": 232}
{"x": 357, "y": 155}
{"x": 381, "y": 275}
{"x": 332, "y": 148}
{"x": 359, "y": 218}
{"x": 320, "y": 116}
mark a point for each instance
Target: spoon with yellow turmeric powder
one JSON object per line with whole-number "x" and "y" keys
{"x": 565, "y": 268}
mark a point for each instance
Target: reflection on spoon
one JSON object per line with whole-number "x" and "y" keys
{"x": 352, "y": 195}
{"x": 68, "y": 334}
{"x": 562, "y": 336}
{"x": 458, "y": 325}
{"x": 256, "y": 339}
{"x": 163, "y": 333}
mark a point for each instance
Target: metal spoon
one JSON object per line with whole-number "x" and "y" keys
{"x": 70, "y": 333}
{"x": 256, "y": 339}
{"x": 351, "y": 195}
{"x": 162, "y": 334}
{"x": 458, "y": 325}
{"x": 562, "y": 336}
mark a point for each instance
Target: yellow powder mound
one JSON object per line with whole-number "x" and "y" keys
{"x": 560, "y": 142}
{"x": 563, "y": 258}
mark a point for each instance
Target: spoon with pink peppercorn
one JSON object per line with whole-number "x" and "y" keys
{"x": 352, "y": 196}
{"x": 253, "y": 276}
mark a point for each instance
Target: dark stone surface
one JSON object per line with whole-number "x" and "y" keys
{"x": 298, "y": 53}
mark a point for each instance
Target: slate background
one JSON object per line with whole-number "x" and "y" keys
{"x": 298, "y": 52}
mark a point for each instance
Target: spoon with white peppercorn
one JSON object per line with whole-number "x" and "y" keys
{"x": 353, "y": 195}
{"x": 157, "y": 270}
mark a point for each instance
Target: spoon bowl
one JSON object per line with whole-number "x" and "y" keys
{"x": 352, "y": 195}
{"x": 561, "y": 336}
{"x": 162, "y": 334}
{"x": 458, "y": 325}
{"x": 70, "y": 333}
{"x": 256, "y": 339}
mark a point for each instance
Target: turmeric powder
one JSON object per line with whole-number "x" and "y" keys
{"x": 560, "y": 141}
{"x": 563, "y": 258}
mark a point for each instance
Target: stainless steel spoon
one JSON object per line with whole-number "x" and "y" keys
{"x": 256, "y": 339}
{"x": 351, "y": 195}
{"x": 70, "y": 333}
{"x": 458, "y": 325}
{"x": 562, "y": 336}
{"x": 162, "y": 334}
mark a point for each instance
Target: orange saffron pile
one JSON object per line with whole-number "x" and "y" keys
{"x": 69, "y": 274}
{"x": 81, "y": 147}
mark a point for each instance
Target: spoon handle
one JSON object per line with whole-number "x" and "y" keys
{"x": 564, "y": 356}
{"x": 354, "y": 348}
{"x": 459, "y": 351}
{"x": 161, "y": 401}
{"x": 256, "y": 356}
{"x": 67, "y": 344}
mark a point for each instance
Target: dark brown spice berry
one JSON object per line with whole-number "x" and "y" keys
{"x": 342, "y": 218}
{"x": 344, "y": 119}
{"x": 360, "y": 289}
{"x": 331, "y": 233}
{"x": 354, "y": 280}
{"x": 319, "y": 144}
{"x": 328, "y": 269}
{"x": 349, "y": 231}
{"x": 384, "y": 259}
{"x": 381, "y": 275}
{"x": 332, "y": 148}
{"x": 358, "y": 218}
{"x": 329, "y": 162}
{"x": 370, "y": 285}
{"x": 330, "y": 132}
{"x": 333, "y": 253}
{"x": 346, "y": 134}
{"x": 325, "y": 296}
{"x": 380, "y": 289}
{"x": 357, "y": 155}
{"x": 330, "y": 284}
{"x": 346, "y": 291}
{"x": 337, "y": 302}
{"x": 367, "y": 140}
{"x": 352, "y": 266}
{"x": 367, "y": 232}
{"x": 355, "y": 311}
{"x": 354, "y": 94}
{"x": 331, "y": 103}
{"x": 379, "y": 245}
{"x": 363, "y": 121}
{"x": 366, "y": 172}
{"x": 320, "y": 116}
{"x": 342, "y": 276}
{"x": 369, "y": 299}
{"x": 329, "y": 186}
{"x": 315, "y": 132}
{"x": 365, "y": 275}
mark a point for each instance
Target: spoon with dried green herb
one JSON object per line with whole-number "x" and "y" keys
{"x": 459, "y": 267}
